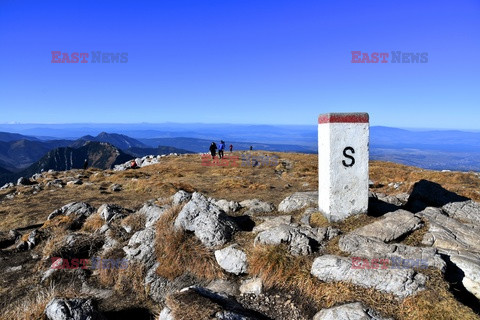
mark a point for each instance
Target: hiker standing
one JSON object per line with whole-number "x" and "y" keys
{"x": 85, "y": 164}
{"x": 251, "y": 148}
{"x": 221, "y": 147}
{"x": 213, "y": 149}
{"x": 231, "y": 147}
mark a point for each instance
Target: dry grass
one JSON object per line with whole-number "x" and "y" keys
{"x": 318, "y": 220}
{"x": 93, "y": 223}
{"x": 135, "y": 221}
{"x": 383, "y": 173}
{"x": 179, "y": 252}
{"x": 279, "y": 269}
{"x": 191, "y": 305}
{"x": 31, "y": 307}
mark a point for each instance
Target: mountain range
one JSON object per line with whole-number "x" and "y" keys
{"x": 429, "y": 149}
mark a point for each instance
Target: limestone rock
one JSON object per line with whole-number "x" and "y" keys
{"x": 400, "y": 282}
{"x": 350, "y": 311}
{"x": 470, "y": 266}
{"x": 253, "y": 285}
{"x": 180, "y": 197}
{"x": 110, "y": 212}
{"x": 227, "y": 206}
{"x": 141, "y": 247}
{"x": 392, "y": 226}
{"x": 301, "y": 239}
{"x": 72, "y": 309}
{"x": 224, "y": 286}
{"x": 209, "y": 223}
{"x": 272, "y": 222}
{"x": 152, "y": 213}
{"x": 468, "y": 211}
{"x": 256, "y": 206}
{"x": 232, "y": 259}
{"x": 359, "y": 246}
{"x": 81, "y": 210}
{"x": 298, "y": 200}
{"x": 448, "y": 233}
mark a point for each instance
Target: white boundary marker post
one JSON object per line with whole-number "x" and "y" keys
{"x": 343, "y": 142}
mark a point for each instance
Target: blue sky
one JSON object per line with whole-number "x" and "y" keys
{"x": 258, "y": 62}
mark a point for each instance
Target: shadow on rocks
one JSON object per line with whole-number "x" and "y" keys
{"x": 430, "y": 194}
{"x": 454, "y": 276}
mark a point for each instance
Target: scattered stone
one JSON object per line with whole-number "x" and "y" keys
{"x": 350, "y": 311}
{"x": 400, "y": 282}
{"x": 251, "y": 286}
{"x": 256, "y": 206}
{"x": 166, "y": 314}
{"x": 22, "y": 181}
{"x": 224, "y": 286}
{"x": 467, "y": 211}
{"x": 79, "y": 209}
{"x": 227, "y": 206}
{"x": 392, "y": 226}
{"x": 298, "y": 200}
{"x": 152, "y": 213}
{"x": 232, "y": 259}
{"x": 110, "y": 212}
{"x": 72, "y": 309}
{"x": 302, "y": 240}
{"x": 209, "y": 223}
{"x": 116, "y": 187}
{"x": 307, "y": 215}
{"x": 74, "y": 182}
{"x": 7, "y": 185}
{"x": 360, "y": 246}
{"x": 272, "y": 222}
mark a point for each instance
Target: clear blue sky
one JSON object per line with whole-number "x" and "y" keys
{"x": 271, "y": 62}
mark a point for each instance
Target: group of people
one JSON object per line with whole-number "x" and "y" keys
{"x": 221, "y": 147}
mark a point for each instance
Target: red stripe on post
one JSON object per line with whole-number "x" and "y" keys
{"x": 343, "y": 118}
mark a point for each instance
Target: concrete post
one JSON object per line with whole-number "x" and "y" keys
{"x": 343, "y": 164}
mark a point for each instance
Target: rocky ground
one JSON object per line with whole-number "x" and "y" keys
{"x": 178, "y": 240}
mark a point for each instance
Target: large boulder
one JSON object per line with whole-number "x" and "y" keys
{"x": 302, "y": 240}
{"x": 72, "y": 309}
{"x": 400, "y": 282}
{"x": 468, "y": 211}
{"x": 299, "y": 200}
{"x": 349, "y": 311}
{"x": 392, "y": 226}
{"x": 448, "y": 233}
{"x": 232, "y": 259}
{"x": 359, "y": 246}
{"x": 209, "y": 223}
